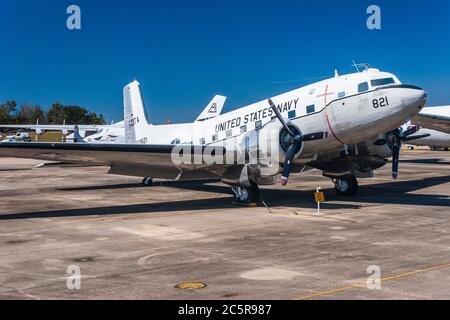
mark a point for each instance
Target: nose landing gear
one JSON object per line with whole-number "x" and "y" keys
{"x": 346, "y": 186}
{"x": 246, "y": 195}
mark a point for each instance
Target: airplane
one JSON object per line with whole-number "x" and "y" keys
{"x": 19, "y": 136}
{"x": 113, "y": 133}
{"x": 346, "y": 126}
{"x": 435, "y": 128}
{"x": 84, "y": 130}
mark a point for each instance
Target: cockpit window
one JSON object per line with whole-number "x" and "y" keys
{"x": 382, "y": 82}
{"x": 362, "y": 87}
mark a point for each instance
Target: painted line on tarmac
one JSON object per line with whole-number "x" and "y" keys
{"x": 364, "y": 285}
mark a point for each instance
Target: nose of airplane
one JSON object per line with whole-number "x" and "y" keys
{"x": 414, "y": 98}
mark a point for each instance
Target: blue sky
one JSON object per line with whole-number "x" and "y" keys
{"x": 185, "y": 52}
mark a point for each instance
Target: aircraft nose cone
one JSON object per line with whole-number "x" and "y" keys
{"x": 415, "y": 97}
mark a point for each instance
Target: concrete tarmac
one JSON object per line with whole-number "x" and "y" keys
{"x": 134, "y": 242}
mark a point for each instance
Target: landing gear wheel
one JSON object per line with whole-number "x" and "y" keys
{"x": 346, "y": 186}
{"x": 147, "y": 181}
{"x": 247, "y": 195}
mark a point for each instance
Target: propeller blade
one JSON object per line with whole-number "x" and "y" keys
{"x": 280, "y": 117}
{"x": 287, "y": 167}
{"x": 411, "y": 130}
{"x": 420, "y": 136}
{"x": 395, "y": 159}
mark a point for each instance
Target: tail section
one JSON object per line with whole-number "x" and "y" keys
{"x": 77, "y": 138}
{"x": 213, "y": 109}
{"x": 135, "y": 117}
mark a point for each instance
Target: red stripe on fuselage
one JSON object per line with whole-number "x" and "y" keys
{"x": 328, "y": 119}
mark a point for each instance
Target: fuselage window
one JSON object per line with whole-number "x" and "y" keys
{"x": 363, "y": 87}
{"x": 341, "y": 94}
{"x": 258, "y": 124}
{"x": 382, "y": 82}
{"x": 310, "y": 109}
{"x": 292, "y": 114}
{"x": 229, "y": 133}
{"x": 202, "y": 141}
{"x": 244, "y": 129}
{"x": 215, "y": 137}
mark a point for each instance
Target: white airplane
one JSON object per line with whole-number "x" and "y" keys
{"x": 84, "y": 130}
{"x": 19, "y": 136}
{"x": 346, "y": 126}
{"x": 108, "y": 134}
{"x": 435, "y": 128}
{"x": 113, "y": 133}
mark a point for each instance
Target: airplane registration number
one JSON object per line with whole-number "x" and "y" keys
{"x": 380, "y": 103}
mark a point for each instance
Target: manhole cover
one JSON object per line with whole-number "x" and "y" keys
{"x": 190, "y": 285}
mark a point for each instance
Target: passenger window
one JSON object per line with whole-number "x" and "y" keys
{"x": 202, "y": 141}
{"x": 310, "y": 109}
{"x": 291, "y": 114}
{"x": 258, "y": 124}
{"x": 229, "y": 133}
{"x": 363, "y": 87}
{"x": 243, "y": 129}
{"x": 215, "y": 137}
{"x": 341, "y": 94}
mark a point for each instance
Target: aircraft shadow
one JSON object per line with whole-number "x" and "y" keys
{"x": 390, "y": 192}
{"x": 426, "y": 161}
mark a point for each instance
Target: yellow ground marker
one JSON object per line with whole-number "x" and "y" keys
{"x": 191, "y": 285}
{"x": 363, "y": 285}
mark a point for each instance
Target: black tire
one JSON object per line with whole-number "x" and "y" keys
{"x": 147, "y": 181}
{"x": 351, "y": 184}
{"x": 247, "y": 195}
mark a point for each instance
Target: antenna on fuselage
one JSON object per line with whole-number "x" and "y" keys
{"x": 360, "y": 65}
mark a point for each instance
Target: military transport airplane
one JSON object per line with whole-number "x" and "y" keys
{"x": 345, "y": 126}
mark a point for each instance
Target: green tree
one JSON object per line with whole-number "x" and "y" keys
{"x": 8, "y": 112}
{"x": 56, "y": 113}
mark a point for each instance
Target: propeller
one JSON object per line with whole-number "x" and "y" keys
{"x": 396, "y": 139}
{"x": 295, "y": 143}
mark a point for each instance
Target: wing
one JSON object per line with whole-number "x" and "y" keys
{"x": 124, "y": 159}
{"x": 436, "y": 118}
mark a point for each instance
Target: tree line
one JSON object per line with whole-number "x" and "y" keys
{"x": 58, "y": 113}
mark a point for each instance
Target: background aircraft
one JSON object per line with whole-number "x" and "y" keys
{"x": 113, "y": 133}
{"x": 435, "y": 128}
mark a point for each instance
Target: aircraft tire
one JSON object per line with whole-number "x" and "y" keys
{"x": 346, "y": 186}
{"x": 247, "y": 195}
{"x": 147, "y": 181}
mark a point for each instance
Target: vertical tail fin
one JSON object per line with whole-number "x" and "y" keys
{"x": 213, "y": 109}
{"x": 76, "y": 136}
{"x": 136, "y": 120}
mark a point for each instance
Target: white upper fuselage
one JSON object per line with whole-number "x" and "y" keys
{"x": 351, "y": 108}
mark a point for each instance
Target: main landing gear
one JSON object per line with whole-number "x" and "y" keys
{"x": 147, "y": 182}
{"x": 346, "y": 186}
{"x": 246, "y": 195}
